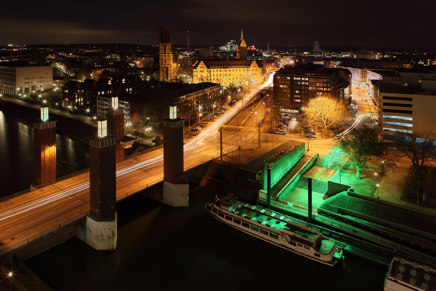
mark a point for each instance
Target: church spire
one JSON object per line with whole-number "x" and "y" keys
{"x": 242, "y": 40}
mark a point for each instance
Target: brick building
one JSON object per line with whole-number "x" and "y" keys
{"x": 294, "y": 86}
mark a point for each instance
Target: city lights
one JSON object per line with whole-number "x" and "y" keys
{"x": 83, "y": 186}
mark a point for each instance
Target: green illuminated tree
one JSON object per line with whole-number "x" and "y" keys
{"x": 325, "y": 111}
{"x": 359, "y": 149}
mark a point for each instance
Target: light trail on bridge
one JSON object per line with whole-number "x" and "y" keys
{"x": 188, "y": 146}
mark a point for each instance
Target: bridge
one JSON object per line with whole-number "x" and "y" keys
{"x": 50, "y": 209}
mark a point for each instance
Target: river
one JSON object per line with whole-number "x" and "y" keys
{"x": 16, "y": 154}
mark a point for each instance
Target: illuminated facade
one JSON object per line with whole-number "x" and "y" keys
{"x": 167, "y": 66}
{"x": 17, "y": 80}
{"x": 236, "y": 72}
{"x": 403, "y": 109}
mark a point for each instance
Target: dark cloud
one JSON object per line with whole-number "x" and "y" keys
{"x": 334, "y": 23}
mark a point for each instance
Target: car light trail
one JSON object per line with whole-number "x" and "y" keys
{"x": 356, "y": 122}
{"x": 188, "y": 146}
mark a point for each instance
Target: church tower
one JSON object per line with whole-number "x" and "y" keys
{"x": 165, "y": 55}
{"x": 242, "y": 48}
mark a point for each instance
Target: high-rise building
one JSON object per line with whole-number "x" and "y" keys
{"x": 166, "y": 64}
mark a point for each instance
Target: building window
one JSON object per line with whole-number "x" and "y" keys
{"x": 273, "y": 235}
{"x": 397, "y": 104}
{"x": 398, "y": 117}
{"x": 398, "y": 124}
{"x": 397, "y": 111}
{"x": 397, "y": 130}
{"x": 397, "y": 98}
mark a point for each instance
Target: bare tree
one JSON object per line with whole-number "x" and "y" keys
{"x": 325, "y": 111}
{"x": 419, "y": 148}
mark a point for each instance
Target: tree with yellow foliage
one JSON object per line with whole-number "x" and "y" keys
{"x": 325, "y": 111}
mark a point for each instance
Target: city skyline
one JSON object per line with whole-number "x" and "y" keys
{"x": 390, "y": 24}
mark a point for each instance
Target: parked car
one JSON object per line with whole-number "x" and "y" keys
{"x": 280, "y": 131}
{"x": 310, "y": 135}
{"x": 309, "y": 132}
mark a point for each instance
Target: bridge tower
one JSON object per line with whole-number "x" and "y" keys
{"x": 115, "y": 123}
{"x": 100, "y": 227}
{"x": 44, "y": 136}
{"x": 175, "y": 184}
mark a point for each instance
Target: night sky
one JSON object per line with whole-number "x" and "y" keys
{"x": 384, "y": 23}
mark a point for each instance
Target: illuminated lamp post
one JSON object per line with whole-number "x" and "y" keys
{"x": 10, "y": 280}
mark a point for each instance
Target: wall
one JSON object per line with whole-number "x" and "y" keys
{"x": 283, "y": 165}
{"x": 297, "y": 176}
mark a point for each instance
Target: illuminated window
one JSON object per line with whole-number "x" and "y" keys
{"x": 398, "y": 124}
{"x": 398, "y": 117}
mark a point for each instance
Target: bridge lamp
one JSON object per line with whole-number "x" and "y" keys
{"x": 102, "y": 127}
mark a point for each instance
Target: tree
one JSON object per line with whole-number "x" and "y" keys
{"x": 360, "y": 150}
{"x": 325, "y": 111}
{"x": 419, "y": 148}
{"x": 158, "y": 109}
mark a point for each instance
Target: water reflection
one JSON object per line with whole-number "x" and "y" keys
{"x": 16, "y": 154}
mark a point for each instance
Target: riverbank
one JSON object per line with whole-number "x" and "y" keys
{"x": 75, "y": 128}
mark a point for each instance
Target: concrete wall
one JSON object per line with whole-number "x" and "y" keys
{"x": 335, "y": 188}
{"x": 283, "y": 165}
{"x": 197, "y": 173}
{"x": 291, "y": 184}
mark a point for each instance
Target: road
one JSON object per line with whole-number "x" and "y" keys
{"x": 37, "y": 213}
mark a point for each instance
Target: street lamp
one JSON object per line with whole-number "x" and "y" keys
{"x": 10, "y": 280}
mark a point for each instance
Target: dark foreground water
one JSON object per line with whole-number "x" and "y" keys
{"x": 164, "y": 248}
{"x": 16, "y": 154}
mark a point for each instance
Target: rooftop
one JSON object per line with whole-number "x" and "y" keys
{"x": 400, "y": 88}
